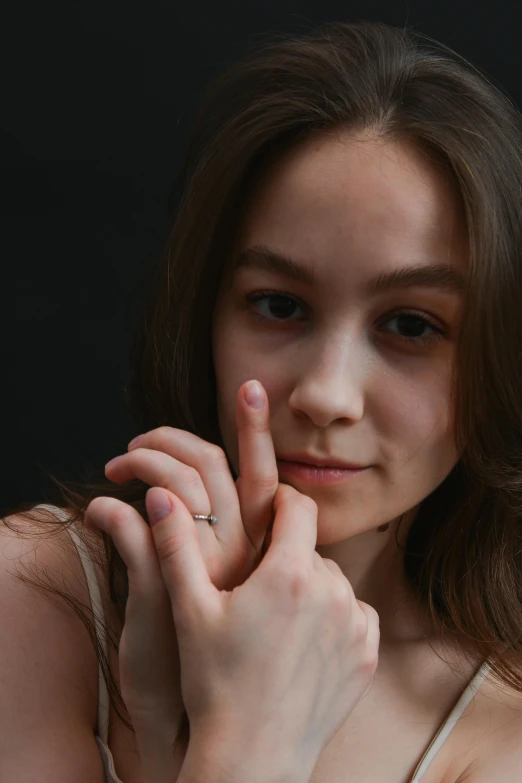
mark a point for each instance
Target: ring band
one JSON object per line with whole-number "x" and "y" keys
{"x": 211, "y": 519}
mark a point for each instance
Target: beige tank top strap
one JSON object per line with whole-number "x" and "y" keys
{"x": 449, "y": 724}
{"x": 97, "y": 608}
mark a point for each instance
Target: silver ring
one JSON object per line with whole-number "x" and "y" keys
{"x": 211, "y": 519}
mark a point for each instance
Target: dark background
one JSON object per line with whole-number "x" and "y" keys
{"x": 97, "y": 101}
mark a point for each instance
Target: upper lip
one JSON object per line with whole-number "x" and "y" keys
{"x": 321, "y": 462}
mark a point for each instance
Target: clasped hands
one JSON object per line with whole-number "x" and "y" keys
{"x": 260, "y": 638}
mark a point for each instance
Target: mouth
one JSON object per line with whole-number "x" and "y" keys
{"x": 318, "y": 474}
{"x": 317, "y": 461}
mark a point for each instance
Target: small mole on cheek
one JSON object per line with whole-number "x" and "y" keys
{"x": 383, "y": 528}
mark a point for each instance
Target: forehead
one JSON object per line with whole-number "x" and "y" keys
{"x": 376, "y": 203}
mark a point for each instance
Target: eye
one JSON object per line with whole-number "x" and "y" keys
{"x": 412, "y": 327}
{"x": 280, "y": 305}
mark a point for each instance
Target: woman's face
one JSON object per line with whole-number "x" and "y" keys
{"x": 356, "y": 365}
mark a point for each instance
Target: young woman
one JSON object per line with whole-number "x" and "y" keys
{"x": 347, "y": 241}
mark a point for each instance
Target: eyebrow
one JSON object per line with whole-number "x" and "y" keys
{"x": 434, "y": 276}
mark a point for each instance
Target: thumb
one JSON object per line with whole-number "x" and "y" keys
{"x": 177, "y": 545}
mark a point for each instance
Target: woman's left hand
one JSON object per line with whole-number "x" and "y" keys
{"x": 198, "y": 473}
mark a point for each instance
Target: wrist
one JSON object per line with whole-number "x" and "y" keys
{"x": 216, "y": 759}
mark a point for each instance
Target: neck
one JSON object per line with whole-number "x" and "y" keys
{"x": 373, "y": 563}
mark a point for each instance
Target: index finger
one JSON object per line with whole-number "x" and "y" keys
{"x": 258, "y": 475}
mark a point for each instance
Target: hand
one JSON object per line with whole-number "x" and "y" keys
{"x": 198, "y": 473}
{"x": 270, "y": 670}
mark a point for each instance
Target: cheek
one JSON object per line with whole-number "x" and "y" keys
{"x": 415, "y": 417}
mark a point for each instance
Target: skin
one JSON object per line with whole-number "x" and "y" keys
{"x": 340, "y": 379}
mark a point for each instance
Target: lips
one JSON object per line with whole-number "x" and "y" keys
{"x": 320, "y": 462}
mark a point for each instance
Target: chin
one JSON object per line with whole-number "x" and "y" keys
{"x": 333, "y": 532}
{"x": 334, "y": 527}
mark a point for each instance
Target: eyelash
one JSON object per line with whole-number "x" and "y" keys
{"x": 257, "y": 296}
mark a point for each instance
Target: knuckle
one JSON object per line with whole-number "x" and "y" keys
{"x": 143, "y": 461}
{"x": 97, "y": 505}
{"x": 163, "y": 439}
{"x": 334, "y": 568}
{"x": 369, "y": 662}
{"x": 264, "y": 482}
{"x": 339, "y": 601}
{"x": 360, "y": 631}
{"x": 138, "y": 458}
{"x": 136, "y": 454}
{"x": 214, "y": 455}
{"x": 191, "y": 477}
{"x": 164, "y": 432}
{"x": 297, "y": 584}
{"x": 169, "y": 547}
{"x": 372, "y": 616}
{"x": 257, "y": 426}
{"x": 107, "y": 507}
{"x": 118, "y": 515}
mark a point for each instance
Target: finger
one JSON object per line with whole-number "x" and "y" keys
{"x": 211, "y": 463}
{"x": 149, "y": 625}
{"x": 342, "y": 582}
{"x": 133, "y": 540}
{"x": 177, "y": 545}
{"x": 158, "y": 469}
{"x": 258, "y": 475}
{"x": 294, "y": 533}
{"x": 372, "y": 617}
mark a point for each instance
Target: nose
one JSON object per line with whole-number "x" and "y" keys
{"x": 331, "y": 383}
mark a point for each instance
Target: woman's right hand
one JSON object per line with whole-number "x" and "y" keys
{"x": 271, "y": 669}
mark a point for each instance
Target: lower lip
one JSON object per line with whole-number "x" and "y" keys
{"x": 315, "y": 475}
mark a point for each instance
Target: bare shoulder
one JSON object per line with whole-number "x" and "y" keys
{"x": 497, "y": 745}
{"x": 48, "y": 687}
{"x": 49, "y": 683}
{"x": 40, "y": 544}
{"x": 45, "y": 553}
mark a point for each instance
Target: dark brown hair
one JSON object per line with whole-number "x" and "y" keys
{"x": 463, "y": 552}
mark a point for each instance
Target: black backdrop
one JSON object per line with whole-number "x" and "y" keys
{"x": 96, "y": 107}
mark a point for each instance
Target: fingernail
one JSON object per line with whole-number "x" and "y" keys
{"x": 134, "y": 440}
{"x": 158, "y": 505}
{"x": 254, "y": 395}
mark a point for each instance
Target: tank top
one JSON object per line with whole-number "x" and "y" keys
{"x": 102, "y": 730}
